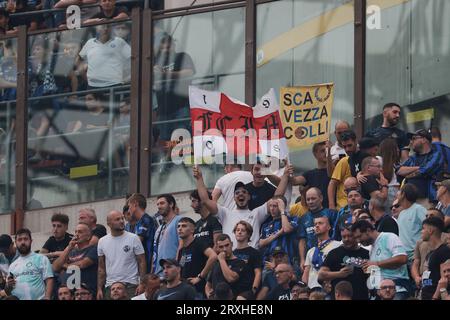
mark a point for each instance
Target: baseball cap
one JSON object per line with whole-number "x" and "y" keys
{"x": 240, "y": 184}
{"x": 172, "y": 262}
{"x": 86, "y": 287}
{"x": 278, "y": 250}
{"x": 445, "y": 183}
{"x": 422, "y": 133}
{"x": 297, "y": 283}
{"x": 5, "y": 242}
{"x": 367, "y": 143}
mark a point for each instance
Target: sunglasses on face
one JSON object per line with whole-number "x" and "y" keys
{"x": 395, "y": 206}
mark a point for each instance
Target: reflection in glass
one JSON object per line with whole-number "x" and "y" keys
{"x": 311, "y": 44}
{"x": 8, "y": 79}
{"x": 190, "y": 50}
{"x": 79, "y": 104}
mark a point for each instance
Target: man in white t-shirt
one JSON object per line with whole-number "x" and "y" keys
{"x": 316, "y": 255}
{"x": 228, "y": 217}
{"x": 30, "y": 275}
{"x": 224, "y": 187}
{"x": 337, "y": 150}
{"x": 121, "y": 258}
{"x": 107, "y": 57}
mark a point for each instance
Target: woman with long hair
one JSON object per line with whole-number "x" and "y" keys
{"x": 390, "y": 154}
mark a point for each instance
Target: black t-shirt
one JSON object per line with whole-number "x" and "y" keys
{"x": 259, "y": 195}
{"x": 253, "y": 260}
{"x": 387, "y": 224}
{"x": 380, "y": 133}
{"x": 370, "y": 186}
{"x": 89, "y": 274}
{"x": 216, "y": 275}
{"x": 436, "y": 258}
{"x": 183, "y": 291}
{"x": 205, "y": 229}
{"x": 335, "y": 261}
{"x": 279, "y": 293}
{"x": 319, "y": 178}
{"x": 117, "y": 11}
{"x": 91, "y": 121}
{"x": 192, "y": 261}
{"x": 99, "y": 231}
{"x": 52, "y": 245}
{"x": 355, "y": 161}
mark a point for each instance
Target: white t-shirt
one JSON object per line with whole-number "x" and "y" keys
{"x": 30, "y": 273}
{"x": 313, "y": 273}
{"x": 226, "y": 185}
{"x": 120, "y": 257}
{"x": 336, "y": 151}
{"x": 140, "y": 297}
{"x": 229, "y": 218}
{"x": 106, "y": 61}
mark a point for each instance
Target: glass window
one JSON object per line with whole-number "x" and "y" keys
{"x": 8, "y": 79}
{"x": 172, "y": 4}
{"x": 205, "y": 50}
{"x": 408, "y": 62}
{"x": 305, "y": 42}
{"x": 79, "y": 115}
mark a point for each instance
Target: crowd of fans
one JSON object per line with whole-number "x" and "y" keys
{"x": 371, "y": 223}
{"x": 45, "y": 14}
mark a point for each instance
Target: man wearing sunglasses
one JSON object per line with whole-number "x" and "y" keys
{"x": 229, "y": 218}
{"x": 422, "y": 168}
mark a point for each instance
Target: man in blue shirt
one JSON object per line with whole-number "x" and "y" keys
{"x": 145, "y": 226}
{"x": 422, "y": 168}
{"x": 391, "y": 117}
{"x": 279, "y": 231}
{"x": 166, "y": 237}
{"x": 306, "y": 234}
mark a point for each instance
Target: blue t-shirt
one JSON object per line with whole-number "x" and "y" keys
{"x": 389, "y": 245}
{"x": 410, "y": 227}
{"x": 306, "y": 226}
{"x": 430, "y": 165}
{"x": 145, "y": 228}
{"x": 30, "y": 273}
{"x": 288, "y": 241}
{"x": 166, "y": 243}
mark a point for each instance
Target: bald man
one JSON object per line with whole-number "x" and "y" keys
{"x": 121, "y": 258}
{"x": 337, "y": 150}
{"x": 308, "y": 239}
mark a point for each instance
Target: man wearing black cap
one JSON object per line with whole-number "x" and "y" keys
{"x": 391, "y": 117}
{"x": 8, "y": 252}
{"x": 175, "y": 288}
{"x": 84, "y": 292}
{"x": 422, "y": 168}
{"x": 269, "y": 280}
{"x": 229, "y": 218}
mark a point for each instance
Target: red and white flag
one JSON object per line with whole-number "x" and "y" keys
{"x": 223, "y": 125}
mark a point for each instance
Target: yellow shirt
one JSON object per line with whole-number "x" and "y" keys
{"x": 298, "y": 210}
{"x": 341, "y": 172}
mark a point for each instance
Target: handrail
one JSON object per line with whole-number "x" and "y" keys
{"x": 44, "y": 11}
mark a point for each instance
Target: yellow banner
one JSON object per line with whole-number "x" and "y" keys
{"x": 306, "y": 114}
{"x": 86, "y": 171}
